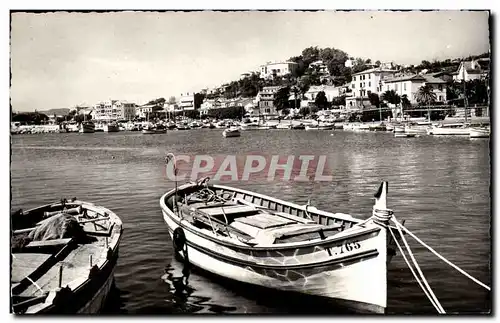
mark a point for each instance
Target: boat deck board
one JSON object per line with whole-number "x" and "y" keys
{"x": 265, "y": 221}
{"x": 24, "y": 264}
{"x": 75, "y": 265}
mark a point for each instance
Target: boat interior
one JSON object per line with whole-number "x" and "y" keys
{"x": 54, "y": 246}
{"x": 253, "y": 220}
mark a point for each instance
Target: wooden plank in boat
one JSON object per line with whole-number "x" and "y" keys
{"x": 285, "y": 232}
{"x": 295, "y": 218}
{"x": 228, "y": 210}
{"x": 48, "y": 243}
{"x": 24, "y": 264}
{"x": 265, "y": 221}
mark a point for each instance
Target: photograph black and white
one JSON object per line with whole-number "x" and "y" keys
{"x": 318, "y": 162}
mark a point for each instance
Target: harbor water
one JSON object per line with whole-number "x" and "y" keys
{"x": 439, "y": 185}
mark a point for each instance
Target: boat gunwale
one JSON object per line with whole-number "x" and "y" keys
{"x": 281, "y": 246}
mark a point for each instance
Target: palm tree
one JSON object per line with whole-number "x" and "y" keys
{"x": 426, "y": 96}
{"x": 391, "y": 97}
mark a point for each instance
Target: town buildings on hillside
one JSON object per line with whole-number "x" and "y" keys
{"x": 365, "y": 82}
{"x": 473, "y": 70}
{"x": 270, "y": 70}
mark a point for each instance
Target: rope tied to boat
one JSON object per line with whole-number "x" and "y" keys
{"x": 382, "y": 216}
{"x": 422, "y": 281}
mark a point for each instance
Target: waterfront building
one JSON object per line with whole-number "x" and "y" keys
{"x": 186, "y": 101}
{"x": 271, "y": 70}
{"x": 366, "y": 82}
{"x": 265, "y": 101}
{"x": 410, "y": 84}
{"x": 114, "y": 110}
{"x": 144, "y": 110}
{"x": 474, "y": 70}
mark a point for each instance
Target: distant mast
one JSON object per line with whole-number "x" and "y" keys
{"x": 465, "y": 93}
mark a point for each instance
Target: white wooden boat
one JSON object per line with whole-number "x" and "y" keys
{"x": 479, "y": 132}
{"x": 251, "y": 126}
{"x": 63, "y": 258}
{"x": 451, "y": 129}
{"x": 154, "y": 129}
{"x": 405, "y": 135}
{"x": 267, "y": 242}
{"x": 87, "y": 127}
{"x": 299, "y": 126}
{"x": 111, "y": 127}
{"x": 284, "y": 126}
{"x": 231, "y": 132}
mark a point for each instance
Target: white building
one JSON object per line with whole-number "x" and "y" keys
{"x": 473, "y": 70}
{"x": 350, "y": 62}
{"x": 265, "y": 101}
{"x": 409, "y": 85}
{"x": 186, "y": 102}
{"x": 366, "y": 82}
{"x": 114, "y": 110}
{"x": 144, "y": 110}
{"x": 271, "y": 70}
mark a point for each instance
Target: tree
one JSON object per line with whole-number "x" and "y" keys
{"x": 377, "y": 63}
{"x": 426, "y": 95}
{"x": 198, "y": 100}
{"x": 374, "y": 99}
{"x": 281, "y": 98}
{"x": 405, "y": 102}
{"x": 321, "y": 100}
{"x": 171, "y": 100}
{"x": 391, "y": 97}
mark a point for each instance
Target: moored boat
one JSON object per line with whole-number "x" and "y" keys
{"x": 476, "y": 132}
{"x": 231, "y": 132}
{"x": 451, "y": 129}
{"x": 111, "y": 127}
{"x": 299, "y": 126}
{"x": 87, "y": 127}
{"x": 154, "y": 129}
{"x": 63, "y": 258}
{"x": 264, "y": 241}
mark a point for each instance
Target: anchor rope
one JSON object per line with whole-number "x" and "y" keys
{"x": 433, "y": 302}
{"x": 410, "y": 253}
{"x": 463, "y": 272}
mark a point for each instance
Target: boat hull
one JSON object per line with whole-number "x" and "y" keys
{"x": 317, "y": 268}
{"x": 153, "y": 132}
{"x": 111, "y": 128}
{"x": 231, "y": 134}
{"x": 479, "y": 133}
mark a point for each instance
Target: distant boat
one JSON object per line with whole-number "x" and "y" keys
{"x": 321, "y": 126}
{"x": 299, "y": 126}
{"x": 451, "y": 129}
{"x": 231, "y": 132}
{"x": 154, "y": 129}
{"x": 63, "y": 258}
{"x": 99, "y": 127}
{"x": 405, "y": 135}
{"x": 111, "y": 127}
{"x": 479, "y": 132}
{"x": 284, "y": 126}
{"x": 182, "y": 126}
{"x": 250, "y": 126}
{"x": 87, "y": 127}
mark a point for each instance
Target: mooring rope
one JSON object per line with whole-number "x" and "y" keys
{"x": 418, "y": 267}
{"x": 433, "y": 302}
{"x": 463, "y": 272}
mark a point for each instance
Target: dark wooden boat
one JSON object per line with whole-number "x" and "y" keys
{"x": 264, "y": 241}
{"x": 63, "y": 257}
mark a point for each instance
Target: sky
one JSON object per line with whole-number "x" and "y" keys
{"x": 60, "y": 60}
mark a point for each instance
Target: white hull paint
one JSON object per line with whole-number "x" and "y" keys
{"x": 111, "y": 128}
{"x": 231, "y": 133}
{"x": 479, "y": 133}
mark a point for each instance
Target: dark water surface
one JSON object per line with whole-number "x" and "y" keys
{"x": 441, "y": 186}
